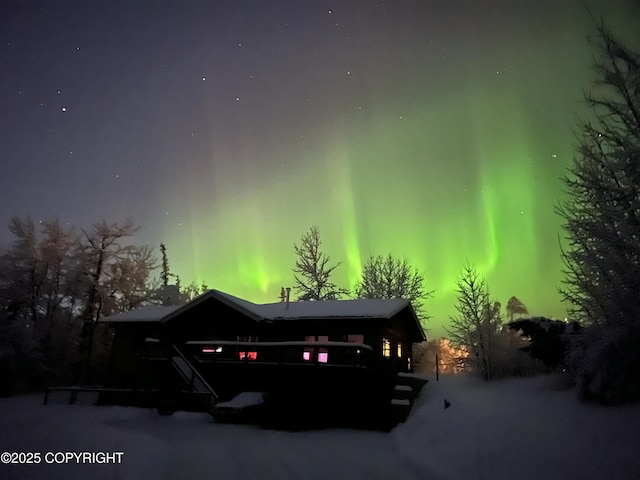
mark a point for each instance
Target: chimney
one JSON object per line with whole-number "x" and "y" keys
{"x": 288, "y": 295}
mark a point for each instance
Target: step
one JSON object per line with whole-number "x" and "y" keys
{"x": 404, "y": 392}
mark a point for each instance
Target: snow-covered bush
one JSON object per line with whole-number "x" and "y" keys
{"x": 605, "y": 364}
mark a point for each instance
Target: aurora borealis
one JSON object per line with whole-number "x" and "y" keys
{"x": 433, "y": 130}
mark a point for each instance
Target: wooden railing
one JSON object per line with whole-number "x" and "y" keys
{"x": 194, "y": 379}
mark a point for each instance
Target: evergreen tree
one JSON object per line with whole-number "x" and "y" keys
{"x": 515, "y": 307}
{"x": 164, "y": 273}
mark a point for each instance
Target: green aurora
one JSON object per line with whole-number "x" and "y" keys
{"x": 466, "y": 169}
{"x": 398, "y": 185}
{"x": 435, "y": 131}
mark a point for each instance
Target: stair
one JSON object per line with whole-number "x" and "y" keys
{"x": 405, "y": 392}
{"x": 194, "y": 379}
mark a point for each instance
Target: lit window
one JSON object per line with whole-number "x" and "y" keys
{"x": 386, "y": 347}
{"x": 399, "y": 350}
{"x": 306, "y": 355}
{"x": 211, "y": 349}
{"x": 323, "y": 357}
{"x": 248, "y": 355}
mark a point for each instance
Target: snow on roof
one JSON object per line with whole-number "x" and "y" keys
{"x": 375, "y": 308}
{"x": 150, "y": 313}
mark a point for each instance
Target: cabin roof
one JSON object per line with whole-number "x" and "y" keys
{"x": 280, "y": 311}
{"x": 374, "y": 308}
{"x": 149, "y": 313}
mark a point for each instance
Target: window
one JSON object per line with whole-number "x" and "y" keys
{"x": 355, "y": 338}
{"x": 211, "y": 349}
{"x": 386, "y": 347}
{"x": 248, "y": 355}
{"x": 316, "y": 338}
{"x": 312, "y": 353}
{"x": 399, "y": 350}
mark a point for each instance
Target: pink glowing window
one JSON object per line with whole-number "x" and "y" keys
{"x": 306, "y": 355}
{"x": 248, "y": 355}
{"x": 323, "y": 357}
{"x": 211, "y": 349}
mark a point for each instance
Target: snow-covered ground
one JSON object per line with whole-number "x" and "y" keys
{"x": 511, "y": 429}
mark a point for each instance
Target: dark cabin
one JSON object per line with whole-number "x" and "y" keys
{"x": 341, "y": 356}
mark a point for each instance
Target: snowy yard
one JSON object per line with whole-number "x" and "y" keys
{"x": 513, "y": 429}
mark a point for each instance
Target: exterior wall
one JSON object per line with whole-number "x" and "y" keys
{"x": 128, "y": 367}
{"x": 217, "y": 321}
{"x": 210, "y": 321}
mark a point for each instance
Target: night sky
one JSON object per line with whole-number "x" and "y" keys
{"x": 435, "y": 130}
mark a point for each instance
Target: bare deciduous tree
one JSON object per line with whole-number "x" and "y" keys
{"x": 602, "y": 221}
{"x": 313, "y": 270}
{"x": 478, "y": 322}
{"x": 390, "y": 277}
{"x": 117, "y": 278}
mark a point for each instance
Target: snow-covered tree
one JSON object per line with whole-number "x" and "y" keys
{"x": 54, "y": 285}
{"x": 117, "y": 277}
{"x": 549, "y": 340}
{"x": 478, "y": 322}
{"x": 391, "y": 277}
{"x": 39, "y": 282}
{"x": 313, "y": 270}
{"x": 602, "y": 221}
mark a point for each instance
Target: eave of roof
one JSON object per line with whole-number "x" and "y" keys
{"x": 147, "y": 314}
